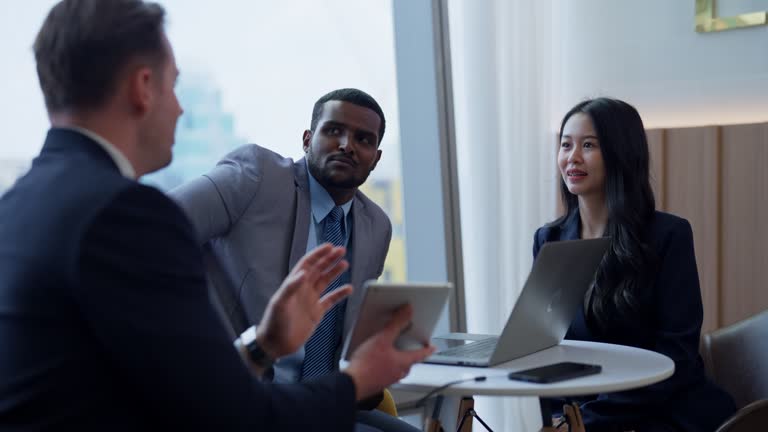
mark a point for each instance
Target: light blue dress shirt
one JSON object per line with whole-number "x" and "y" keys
{"x": 322, "y": 204}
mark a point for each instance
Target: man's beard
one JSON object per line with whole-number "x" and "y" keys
{"x": 327, "y": 180}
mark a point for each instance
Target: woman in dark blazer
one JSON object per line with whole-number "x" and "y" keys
{"x": 646, "y": 291}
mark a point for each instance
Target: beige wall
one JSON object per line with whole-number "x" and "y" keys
{"x": 715, "y": 177}
{"x": 648, "y": 53}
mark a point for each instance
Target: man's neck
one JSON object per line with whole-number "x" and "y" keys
{"x": 340, "y": 195}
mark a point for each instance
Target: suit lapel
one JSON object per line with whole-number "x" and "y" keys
{"x": 361, "y": 229}
{"x": 301, "y": 229}
{"x": 571, "y": 229}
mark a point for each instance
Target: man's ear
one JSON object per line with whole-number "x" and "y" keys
{"x": 378, "y": 158}
{"x": 140, "y": 88}
{"x": 306, "y": 140}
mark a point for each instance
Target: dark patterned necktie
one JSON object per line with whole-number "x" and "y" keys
{"x": 320, "y": 349}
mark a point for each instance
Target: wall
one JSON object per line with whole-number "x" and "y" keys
{"x": 648, "y": 53}
{"x": 715, "y": 177}
{"x": 697, "y": 93}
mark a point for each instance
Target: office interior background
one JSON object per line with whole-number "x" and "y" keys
{"x": 473, "y": 91}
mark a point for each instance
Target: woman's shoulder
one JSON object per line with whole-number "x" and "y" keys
{"x": 546, "y": 233}
{"x": 669, "y": 223}
{"x": 550, "y": 231}
{"x": 668, "y": 227}
{"x": 543, "y": 232}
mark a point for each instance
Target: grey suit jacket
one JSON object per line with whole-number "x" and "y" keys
{"x": 252, "y": 214}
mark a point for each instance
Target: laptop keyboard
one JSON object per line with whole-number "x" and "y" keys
{"x": 480, "y": 349}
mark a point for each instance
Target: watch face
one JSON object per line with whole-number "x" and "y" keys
{"x": 258, "y": 356}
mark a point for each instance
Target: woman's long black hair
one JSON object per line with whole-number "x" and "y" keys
{"x": 623, "y": 280}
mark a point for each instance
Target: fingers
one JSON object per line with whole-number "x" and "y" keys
{"x": 314, "y": 256}
{"x": 330, "y": 260}
{"x": 333, "y": 297}
{"x": 399, "y": 321}
{"x": 292, "y": 283}
{"x": 419, "y": 355}
{"x": 316, "y": 270}
{"x": 577, "y": 415}
{"x": 331, "y": 274}
{"x": 568, "y": 413}
{"x": 323, "y": 265}
{"x": 409, "y": 358}
{"x": 319, "y": 267}
{"x": 573, "y": 414}
{"x": 320, "y": 258}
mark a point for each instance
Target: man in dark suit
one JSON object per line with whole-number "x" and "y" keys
{"x": 105, "y": 318}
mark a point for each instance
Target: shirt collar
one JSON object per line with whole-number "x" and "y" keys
{"x": 123, "y": 164}
{"x": 321, "y": 200}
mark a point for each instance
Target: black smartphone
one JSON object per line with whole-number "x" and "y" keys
{"x": 555, "y": 372}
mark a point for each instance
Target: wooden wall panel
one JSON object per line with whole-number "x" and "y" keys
{"x": 691, "y": 190}
{"x": 656, "y": 148}
{"x": 744, "y": 210}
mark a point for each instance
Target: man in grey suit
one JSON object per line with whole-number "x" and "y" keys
{"x": 258, "y": 212}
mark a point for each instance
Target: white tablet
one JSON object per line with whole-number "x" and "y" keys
{"x": 382, "y": 299}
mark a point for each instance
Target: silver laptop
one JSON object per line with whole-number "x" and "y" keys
{"x": 551, "y": 296}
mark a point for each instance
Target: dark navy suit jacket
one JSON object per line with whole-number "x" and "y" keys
{"x": 674, "y": 316}
{"x": 105, "y": 318}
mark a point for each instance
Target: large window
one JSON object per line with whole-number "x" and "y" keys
{"x": 251, "y": 71}
{"x": 22, "y": 113}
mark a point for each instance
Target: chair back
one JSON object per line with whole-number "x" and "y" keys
{"x": 736, "y": 358}
{"x": 751, "y": 418}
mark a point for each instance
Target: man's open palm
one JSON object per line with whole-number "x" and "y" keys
{"x": 296, "y": 309}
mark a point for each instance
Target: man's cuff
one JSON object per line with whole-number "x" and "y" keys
{"x": 263, "y": 373}
{"x": 371, "y": 402}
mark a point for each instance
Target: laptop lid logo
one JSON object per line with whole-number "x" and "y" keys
{"x": 555, "y": 298}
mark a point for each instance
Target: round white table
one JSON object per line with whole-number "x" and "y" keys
{"x": 623, "y": 368}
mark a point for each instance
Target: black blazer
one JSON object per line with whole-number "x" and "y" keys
{"x": 105, "y": 319}
{"x": 687, "y": 399}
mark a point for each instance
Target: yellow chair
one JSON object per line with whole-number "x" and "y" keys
{"x": 387, "y": 404}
